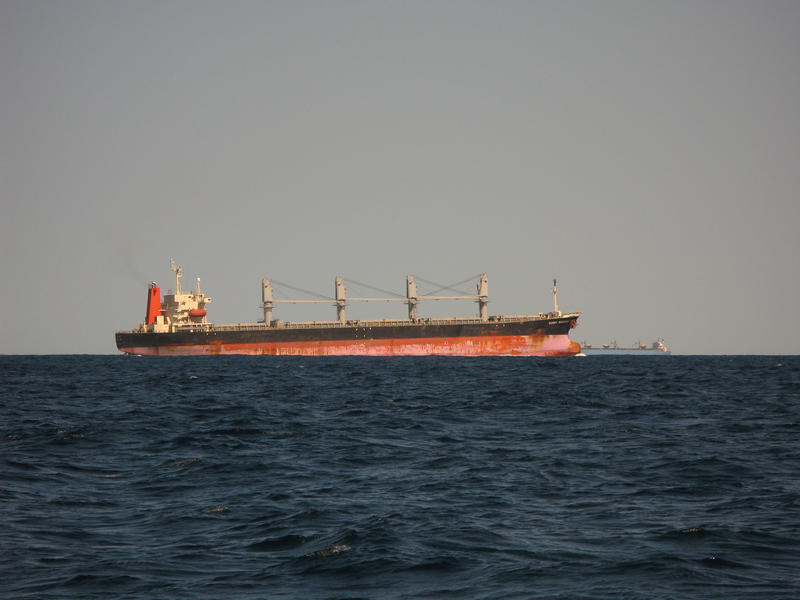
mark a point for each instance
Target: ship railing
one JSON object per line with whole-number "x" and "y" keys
{"x": 376, "y": 323}
{"x": 191, "y": 327}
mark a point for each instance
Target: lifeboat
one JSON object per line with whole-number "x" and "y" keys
{"x": 197, "y": 312}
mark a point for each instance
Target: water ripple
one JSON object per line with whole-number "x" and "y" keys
{"x": 246, "y": 477}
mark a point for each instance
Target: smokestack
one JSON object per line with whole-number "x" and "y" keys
{"x": 153, "y": 303}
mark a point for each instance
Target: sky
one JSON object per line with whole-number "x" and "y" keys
{"x": 645, "y": 153}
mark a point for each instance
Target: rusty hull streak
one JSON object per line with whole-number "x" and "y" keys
{"x": 518, "y": 345}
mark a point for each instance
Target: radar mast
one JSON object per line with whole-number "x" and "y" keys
{"x": 178, "y": 274}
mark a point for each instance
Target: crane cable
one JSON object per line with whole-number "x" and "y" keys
{"x": 450, "y": 287}
{"x": 372, "y": 287}
{"x": 297, "y": 289}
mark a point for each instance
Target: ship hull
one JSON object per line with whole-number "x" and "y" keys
{"x": 519, "y": 338}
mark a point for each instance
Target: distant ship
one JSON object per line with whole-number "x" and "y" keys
{"x": 178, "y": 326}
{"x": 657, "y": 348}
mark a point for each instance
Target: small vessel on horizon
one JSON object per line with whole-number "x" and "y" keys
{"x": 657, "y": 348}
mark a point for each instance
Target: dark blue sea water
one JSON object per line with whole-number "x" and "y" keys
{"x": 244, "y": 477}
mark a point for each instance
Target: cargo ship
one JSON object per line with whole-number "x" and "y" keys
{"x": 657, "y": 348}
{"x": 178, "y": 325}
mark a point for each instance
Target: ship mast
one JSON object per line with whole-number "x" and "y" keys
{"x": 267, "y": 297}
{"x": 483, "y": 298}
{"x": 411, "y": 296}
{"x": 177, "y": 269}
{"x": 341, "y": 299}
{"x": 555, "y": 299}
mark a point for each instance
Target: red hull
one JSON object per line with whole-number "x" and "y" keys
{"x": 514, "y": 345}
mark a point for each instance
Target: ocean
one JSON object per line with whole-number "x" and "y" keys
{"x": 343, "y": 478}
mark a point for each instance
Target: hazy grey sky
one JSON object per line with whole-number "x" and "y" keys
{"x": 645, "y": 153}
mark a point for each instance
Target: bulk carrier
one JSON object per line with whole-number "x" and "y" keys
{"x": 178, "y": 325}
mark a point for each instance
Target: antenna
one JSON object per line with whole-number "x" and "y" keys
{"x": 555, "y": 298}
{"x": 177, "y": 269}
